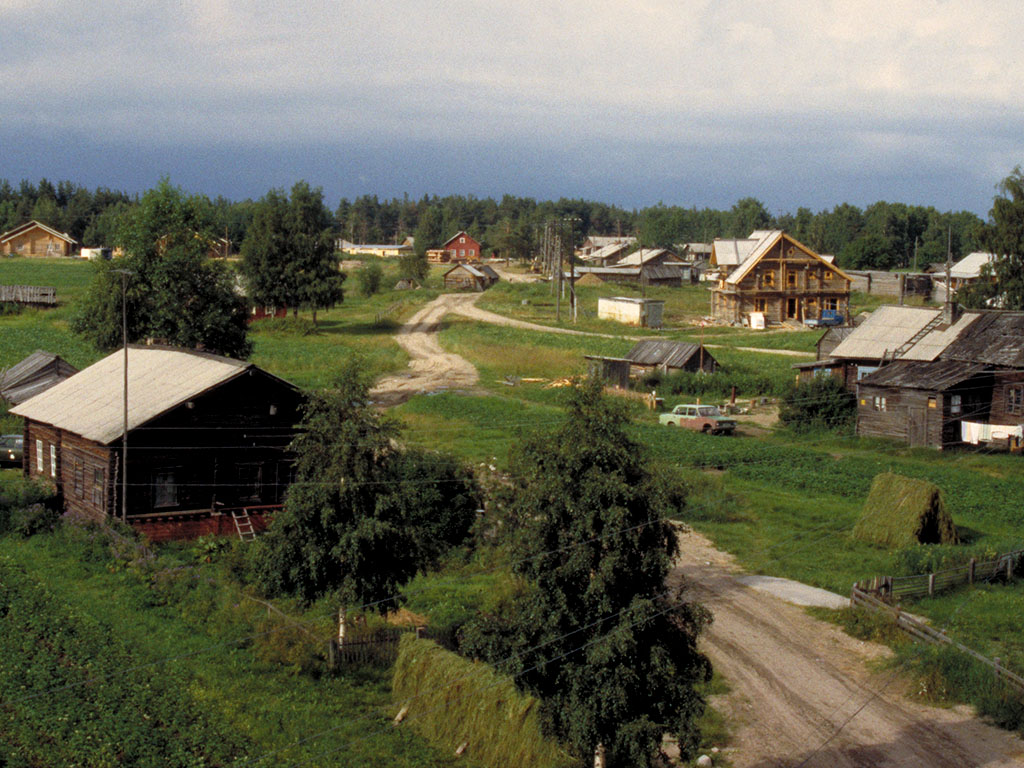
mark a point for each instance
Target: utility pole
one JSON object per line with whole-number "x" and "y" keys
{"x": 124, "y": 437}
{"x": 572, "y": 262}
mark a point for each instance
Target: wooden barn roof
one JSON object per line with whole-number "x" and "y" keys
{"x": 33, "y": 375}
{"x": 913, "y": 374}
{"x": 159, "y": 379}
{"x": 671, "y": 354}
{"x": 766, "y": 240}
{"x": 994, "y": 338}
{"x": 11, "y": 233}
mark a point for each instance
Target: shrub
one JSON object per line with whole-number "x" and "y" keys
{"x": 369, "y": 278}
{"x": 821, "y": 403}
{"x": 33, "y": 519}
{"x": 18, "y": 495}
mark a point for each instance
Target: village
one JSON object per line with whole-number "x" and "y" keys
{"x": 842, "y": 437}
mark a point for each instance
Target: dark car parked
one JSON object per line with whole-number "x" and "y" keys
{"x": 11, "y": 448}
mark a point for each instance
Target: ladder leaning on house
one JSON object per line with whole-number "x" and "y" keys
{"x": 243, "y": 524}
{"x": 903, "y": 348}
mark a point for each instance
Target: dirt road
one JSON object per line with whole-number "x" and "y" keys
{"x": 431, "y": 368}
{"x": 803, "y": 695}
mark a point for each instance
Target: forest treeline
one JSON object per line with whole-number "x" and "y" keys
{"x": 881, "y": 236}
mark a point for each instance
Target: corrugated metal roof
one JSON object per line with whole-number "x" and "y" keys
{"x": 885, "y": 330}
{"x": 90, "y": 404}
{"x": 911, "y": 374}
{"x": 731, "y": 253}
{"x": 995, "y": 338}
{"x": 937, "y": 340}
{"x": 970, "y": 265}
{"x": 673, "y": 354}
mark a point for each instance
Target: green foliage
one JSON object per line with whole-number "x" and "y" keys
{"x": 821, "y": 403}
{"x": 369, "y": 278}
{"x": 361, "y": 517}
{"x": 1005, "y": 238}
{"x": 452, "y": 700}
{"x": 174, "y": 293}
{"x": 595, "y": 548}
{"x": 414, "y": 266}
{"x": 903, "y": 510}
{"x": 288, "y": 253}
{"x": 869, "y": 251}
{"x": 27, "y": 505}
{"x": 133, "y": 717}
{"x": 748, "y": 380}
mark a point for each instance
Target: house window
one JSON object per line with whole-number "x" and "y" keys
{"x": 864, "y": 370}
{"x": 879, "y": 403}
{"x": 39, "y": 456}
{"x": 462, "y": 252}
{"x": 832, "y": 304}
{"x": 53, "y": 460}
{"x": 98, "y": 481}
{"x": 78, "y": 481}
{"x": 791, "y": 279}
{"x": 759, "y": 305}
{"x": 768, "y": 279}
{"x": 1015, "y": 399}
{"x": 955, "y": 404}
{"x": 462, "y": 239}
{"x": 828, "y": 274}
{"x": 165, "y": 488}
{"x": 931, "y": 401}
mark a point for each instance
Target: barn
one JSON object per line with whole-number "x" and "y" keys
{"x": 207, "y": 440}
{"x": 470, "y": 277}
{"x": 33, "y": 375}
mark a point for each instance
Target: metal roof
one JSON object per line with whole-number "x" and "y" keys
{"x": 885, "y": 330}
{"x": 912, "y": 374}
{"x": 606, "y": 251}
{"x": 90, "y": 402}
{"x": 647, "y": 255}
{"x": 970, "y": 265}
{"x": 731, "y": 253}
{"x": 650, "y": 271}
{"x": 671, "y": 354}
{"x": 995, "y": 338}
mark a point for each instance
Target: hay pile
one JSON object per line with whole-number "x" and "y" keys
{"x": 455, "y": 702}
{"x": 900, "y": 511}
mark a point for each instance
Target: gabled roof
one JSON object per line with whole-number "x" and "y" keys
{"x": 995, "y": 338}
{"x": 644, "y": 256}
{"x": 606, "y": 251}
{"x": 601, "y": 241}
{"x": 970, "y": 265}
{"x": 731, "y": 253}
{"x": 885, "y": 330}
{"x": 476, "y": 270}
{"x": 33, "y": 375}
{"x": 912, "y": 374}
{"x": 671, "y": 354}
{"x": 460, "y": 233}
{"x": 649, "y": 271}
{"x": 159, "y": 379}
{"x": 766, "y": 240}
{"x": 12, "y": 233}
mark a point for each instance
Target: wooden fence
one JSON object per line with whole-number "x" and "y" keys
{"x": 920, "y": 631}
{"x": 29, "y": 294}
{"x": 385, "y": 313}
{"x": 894, "y": 588}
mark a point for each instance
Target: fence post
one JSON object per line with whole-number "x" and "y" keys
{"x": 931, "y": 584}
{"x": 970, "y": 571}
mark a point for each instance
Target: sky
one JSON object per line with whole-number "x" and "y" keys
{"x": 686, "y": 102}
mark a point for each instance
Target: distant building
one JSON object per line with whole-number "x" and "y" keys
{"x": 33, "y": 375}
{"x": 369, "y": 249}
{"x": 470, "y": 277}
{"x": 645, "y": 313}
{"x": 460, "y": 248}
{"x": 36, "y": 239}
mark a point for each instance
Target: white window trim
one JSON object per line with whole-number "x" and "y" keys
{"x": 39, "y": 456}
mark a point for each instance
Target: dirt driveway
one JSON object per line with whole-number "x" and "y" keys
{"x": 803, "y": 695}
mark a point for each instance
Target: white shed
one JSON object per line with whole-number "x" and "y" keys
{"x": 646, "y": 313}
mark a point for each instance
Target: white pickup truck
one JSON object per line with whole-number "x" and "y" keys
{"x": 703, "y": 418}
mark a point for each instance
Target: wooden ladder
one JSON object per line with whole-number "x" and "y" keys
{"x": 243, "y": 524}
{"x": 932, "y": 324}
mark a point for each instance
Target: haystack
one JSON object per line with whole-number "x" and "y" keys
{"x": 900, "y": 511}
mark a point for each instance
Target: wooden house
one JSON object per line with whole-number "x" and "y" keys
{"x": 969, "y": 269}
{"x": 653, "y": 257}
{"x": 613, "y": 370}
{"x": 778, "y": 277}
{"x": 461, "y": 247}
{"x": 606, "y": 256}
{"x": 470, "y": 277}
{"x": 33, "y": 375}
{"x": 597, "y": 242}
{"x": 662, "y": 274}
{"x": 34, "y": 238}
{"x": 207, "y": 441}
{"x": 670, "y": 356}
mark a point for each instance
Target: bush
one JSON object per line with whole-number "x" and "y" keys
{"x": 19, "y": 495}
{"x": 33, "y": 519}
{"x": 746, "y": 380}
{"x": 369, "y": 278}
{"x": 821, "y": 403}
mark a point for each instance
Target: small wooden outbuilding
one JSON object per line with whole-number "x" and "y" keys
{"x": 668, "y": 356}
{"x": 470, "y": 277}
{"x": 34, "y": 375}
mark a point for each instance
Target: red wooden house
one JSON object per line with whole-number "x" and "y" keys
{"x": 460, "y": 248}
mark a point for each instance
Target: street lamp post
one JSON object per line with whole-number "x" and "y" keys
{"x": 124, "y": 437}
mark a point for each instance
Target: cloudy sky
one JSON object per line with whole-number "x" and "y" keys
{"x": 690, "y": 102}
